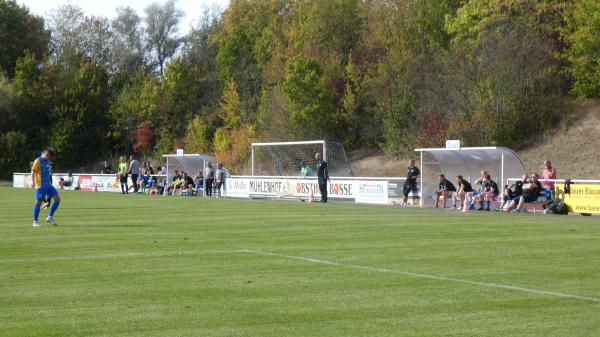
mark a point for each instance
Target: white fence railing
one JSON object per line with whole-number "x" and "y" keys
{"x": 584, "y": 196}
{"x": 82, "y": 181}
{"x": 359, "y": 189}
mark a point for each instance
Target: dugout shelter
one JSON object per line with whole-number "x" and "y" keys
{"x": 501, "y": 163}
{"x": 191, "y": 163}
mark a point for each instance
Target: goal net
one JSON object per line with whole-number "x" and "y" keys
{"x": 283, "y": 159}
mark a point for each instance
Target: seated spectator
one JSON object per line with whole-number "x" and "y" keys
{"x": 144, "y": 180}
{"x": 445, "y": 188}
{"x": 178, "y": 183}
{"x": 512, "y": 191}
{"x": 199, "y": 181}
{"x": 464, "y": 187}
{"x": 176, "y": 176}
{"x": 188, "y": 182}
{"x": 67, "y": 181}
{"x": 149, "y": 169}
{"x": 305, "y": 170}
{"x": 153, "y": 189}
{"x": 490, "y": 191}
{"x": 470, "y": 196}
{"x": 531, "y": 191}
{"x": 106, "y": 168}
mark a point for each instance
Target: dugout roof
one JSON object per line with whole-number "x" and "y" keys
{"x": 190, "y": 163}
{"x": 501, "y": 163}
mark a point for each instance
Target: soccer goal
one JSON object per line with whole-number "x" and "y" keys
{"x": 284, "y": 158}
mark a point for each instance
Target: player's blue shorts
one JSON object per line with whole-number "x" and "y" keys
{"x": 42, "y": 192}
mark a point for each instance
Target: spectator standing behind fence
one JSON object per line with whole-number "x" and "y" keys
{"x": 134, "y": 169}
{"x": 123, "y": 175}
{"x": 549, "y": 173}
{"x": 106, "y": 168}
{"x": 220, "y": 175}
{"x": 209, "y": 178}
{"x": 305, "y": 170}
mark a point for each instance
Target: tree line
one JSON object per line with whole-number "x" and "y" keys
{"x": 389, "y": 74}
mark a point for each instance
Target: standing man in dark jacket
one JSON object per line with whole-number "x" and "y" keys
{"x": 209, "y": 179}
{"x": 134, "y": 170}
{"x": 323, "y": 176}
{"x": 410, "y": 184}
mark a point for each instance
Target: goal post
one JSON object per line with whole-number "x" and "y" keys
{"x": 283, "y": 158}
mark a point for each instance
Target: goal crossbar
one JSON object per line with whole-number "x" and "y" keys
{"x": 284, "y": 158}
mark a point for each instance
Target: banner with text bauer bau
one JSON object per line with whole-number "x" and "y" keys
{"x": 584, "y": 198}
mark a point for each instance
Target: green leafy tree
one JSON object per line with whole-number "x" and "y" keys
{"x": 582, "y": 32}
{"x": 313, "y": 114}
{"x": 20, "y": 31}
{"x": 198, "y": 136}
{"x": 79, "y": 122}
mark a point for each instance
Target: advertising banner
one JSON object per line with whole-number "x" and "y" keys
{"x": 375, "y": 192}
{"x": 372, "y": 192}
{"x": 584, "y": 198}
{"x": 107, "y": 183}
{"x": 238, "y": 187}
{"x": 86, "y": 183}
{"x": 300, "y": 188}
{"x": 361, "y": 191}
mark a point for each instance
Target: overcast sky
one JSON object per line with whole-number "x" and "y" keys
{"x": 192, "y": 8}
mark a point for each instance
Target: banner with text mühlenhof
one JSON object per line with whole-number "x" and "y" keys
{"x": 360, "y": 191}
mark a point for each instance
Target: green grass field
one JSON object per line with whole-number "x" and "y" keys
{"x": 152, "y": 266}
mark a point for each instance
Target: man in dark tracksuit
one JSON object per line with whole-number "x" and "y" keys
{"x": 410, "y": 184}
{"x": 323, "y": 176}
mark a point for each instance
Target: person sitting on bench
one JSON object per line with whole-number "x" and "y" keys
{"x": 445, "y": 188}
{"x": 531, "y": 192}
{"x": 488, "y": 194}
{"x": 464, "y": 187}
{"x": 512, "y": 191}
{"x": 67, "y": 181}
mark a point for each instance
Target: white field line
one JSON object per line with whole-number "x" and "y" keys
{"x": 108, "y": 256}
{"x": 426, "y": 276}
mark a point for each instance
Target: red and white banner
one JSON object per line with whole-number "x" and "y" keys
{"x": 86, "y": 183}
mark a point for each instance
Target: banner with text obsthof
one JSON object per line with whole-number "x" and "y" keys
{"x": 584, "y": 198}
{"x": 361, "y": 191}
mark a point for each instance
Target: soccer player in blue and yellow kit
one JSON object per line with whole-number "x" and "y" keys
{"x": 41, "y": 180}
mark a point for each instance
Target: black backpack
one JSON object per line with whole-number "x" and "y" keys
{"x": 556, "y": 206}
